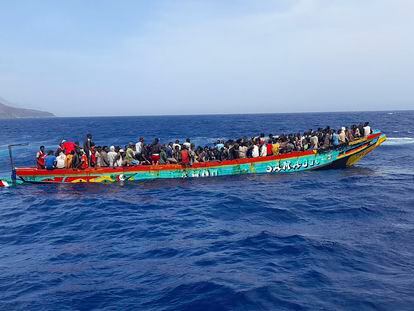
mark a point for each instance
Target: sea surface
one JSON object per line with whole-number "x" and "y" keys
{"x": 323, "y": 240}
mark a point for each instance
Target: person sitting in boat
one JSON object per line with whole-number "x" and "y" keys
{"x": 76, "y": 159}
{"x": 187, "y": 143}
{"x": 367, "y": 129}
{"x": 104, "y": 161}
{"x": 84, "y": 161}
{"x": 219, "y": 144}
{"x": 130, "y": 156}
{"x": 342, "y": 136}
{"x": 155, "y": 151}
{"x": 119, "y": 160}
{"x": 93, "y": 159}
{"x": 185, "y": 156}
{"x": 243, "y": 150}
{"x": 50, "y": 160}
{"x": 256, "y": 150}
{"x": 314, "y": 141}
{"x": 177, "y": 154}
{"x": 111, "y": 155}
{"x": 355, "y": 131}
{"x": 176, "y": 144}
{"x": 163, "y": 156}
{"x": 349, "y": 135}
{"x": 40, "y": 158}
{"x": 61, "y": 160}
{"x": 69, "y": 159}
{"x": 335, "y": 139}
{"x": 263, "y": 148}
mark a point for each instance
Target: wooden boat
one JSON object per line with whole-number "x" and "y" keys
{"x": 284, "y": 163}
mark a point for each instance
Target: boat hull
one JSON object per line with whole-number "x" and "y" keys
{"x": 284, "y": 163}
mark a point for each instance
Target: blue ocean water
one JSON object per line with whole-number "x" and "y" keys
{"x": 338, "y": 239}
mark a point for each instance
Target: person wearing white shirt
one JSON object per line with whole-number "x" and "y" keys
{"x": 111, "y": 156}
{"x": 263, "y": 150}
{"x": 139, "y": 145}
{"x": 187, "y": 144}
{"x": 176, "y": 144}
{"x": 61, "y": 160}
{"x": 367, "y": 129}
{"x": 255, "y": 151}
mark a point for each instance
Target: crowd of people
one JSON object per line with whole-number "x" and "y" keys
{"x": 71, "y": 155}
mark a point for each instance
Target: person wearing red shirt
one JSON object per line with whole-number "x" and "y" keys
{"x": 84, "y": 161}
{"x": 40, "y": 157}
{"x": 68, "y": 146}
{"x": 185, "y": 156}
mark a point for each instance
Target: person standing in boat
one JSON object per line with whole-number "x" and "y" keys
{"x": 138, "y": 148}
{"x": 87, "y": 146}
{"x": 40, "y": 157}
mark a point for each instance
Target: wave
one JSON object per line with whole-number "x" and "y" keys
{"x": 398, "y": 141}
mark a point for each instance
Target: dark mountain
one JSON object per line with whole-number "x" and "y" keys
{"x": 7, "y": 111}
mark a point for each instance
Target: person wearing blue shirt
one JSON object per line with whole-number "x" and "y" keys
{"x": 50, "y": 161}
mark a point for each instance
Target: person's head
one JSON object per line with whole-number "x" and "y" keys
{"x": 156, "y": 141}
{"x": 50, "y": 152}
{"x": 366, "y": 123}
{"x": 89, "y": 136}
{"x": 112, "y": 148}
{"x": 62, "y": 142}
{"x": 141, "y": 139}
{"x": 42, "y": 148}
{"x": 177, "y": 141}
{"x": 121, "y": 151}
{"x": 187, "y": 140}
{"x": 177, "y": 148}
{"x": 72, "y": 152}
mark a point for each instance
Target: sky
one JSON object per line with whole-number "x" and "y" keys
{"x": 163, "y": 57}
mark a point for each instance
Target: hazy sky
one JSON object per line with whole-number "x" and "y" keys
{"x": 84, "y": 57}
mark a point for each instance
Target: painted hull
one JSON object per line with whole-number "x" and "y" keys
{"x": 284, "y": 163}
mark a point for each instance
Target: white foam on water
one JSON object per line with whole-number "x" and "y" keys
{"x": 398, "y": 141}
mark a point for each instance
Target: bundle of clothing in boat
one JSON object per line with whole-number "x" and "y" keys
{"x": 72, "y": 155}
